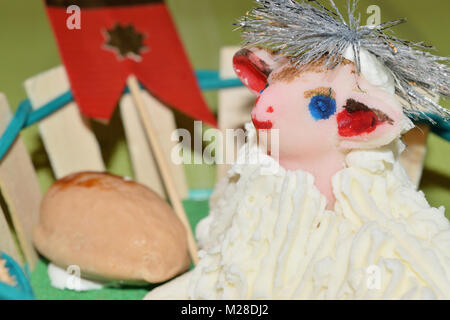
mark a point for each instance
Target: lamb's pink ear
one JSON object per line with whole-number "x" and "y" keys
{"x": 253, "y": 66}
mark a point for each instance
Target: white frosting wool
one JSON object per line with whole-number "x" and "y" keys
{"x": 270, "y": 236}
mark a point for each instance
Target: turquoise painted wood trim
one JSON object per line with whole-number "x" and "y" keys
{"x": 22, "y": 290}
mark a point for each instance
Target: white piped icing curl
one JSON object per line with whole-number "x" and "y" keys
{"x": 270, "y": 236}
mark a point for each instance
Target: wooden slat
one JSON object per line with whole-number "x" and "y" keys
{"x": 143, "y": 161}
{"x": 413, "y": 158}
{"x": 234, "y": 104}
{"x": 144, "y": 166}
{"x": 7, "y": 243}
{"x": 67, "y": 137}
{"x": 20, "y": 188}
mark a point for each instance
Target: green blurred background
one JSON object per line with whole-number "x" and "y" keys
{"x": 28, "y": 48}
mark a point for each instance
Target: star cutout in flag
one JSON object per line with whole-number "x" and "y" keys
{"x": 126, "y": 41}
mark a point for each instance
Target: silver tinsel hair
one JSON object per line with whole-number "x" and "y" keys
{"x": 308, "y": 31}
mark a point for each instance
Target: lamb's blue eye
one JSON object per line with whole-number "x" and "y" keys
{"x": 322, "y": 107}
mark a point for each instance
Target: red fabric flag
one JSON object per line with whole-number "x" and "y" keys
{"x": 122, "y": 37}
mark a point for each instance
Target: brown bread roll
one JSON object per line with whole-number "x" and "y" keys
{"x": 113, "y": 229}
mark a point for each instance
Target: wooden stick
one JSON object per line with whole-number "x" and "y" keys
{"x": 166, "y": 175}
{"x": 142, "y": 159}
{"x": 20, "y": 189}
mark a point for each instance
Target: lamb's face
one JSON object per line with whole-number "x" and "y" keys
{"x": 320, "y": 113}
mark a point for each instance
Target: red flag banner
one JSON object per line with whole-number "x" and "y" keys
{"x": 117, "y": 38}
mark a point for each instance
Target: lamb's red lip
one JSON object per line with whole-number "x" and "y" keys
{"x": 357, "y": 119}
{"x": 356, "y": 123}
{"x": 267, "y": 124}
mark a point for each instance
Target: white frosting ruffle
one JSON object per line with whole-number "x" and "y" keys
{"x": 269, "y": 236}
